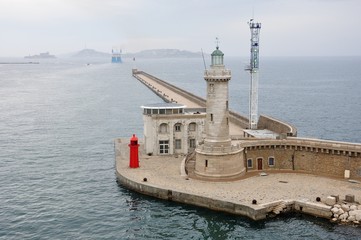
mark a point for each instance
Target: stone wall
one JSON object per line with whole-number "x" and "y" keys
{"x": 312, "y": 156}
{"x": 266, "y": 122}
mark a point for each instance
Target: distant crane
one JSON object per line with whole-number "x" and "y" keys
{"x": 253, "y": 69}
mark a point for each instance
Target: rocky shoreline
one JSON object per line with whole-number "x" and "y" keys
{"x": 346, "y": 213}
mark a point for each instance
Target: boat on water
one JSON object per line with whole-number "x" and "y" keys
{"x": 116, "y": 55}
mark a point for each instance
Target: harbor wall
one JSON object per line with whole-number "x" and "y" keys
{"x": 319, "y": 157}
{"x": 191, "y": 199}
{"x": 254, "y": 211}
{"x": 282, "y": 128}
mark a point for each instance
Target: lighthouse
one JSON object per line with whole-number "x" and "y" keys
{"x": 217, "y": 158}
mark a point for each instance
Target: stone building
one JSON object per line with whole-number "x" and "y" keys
{"x": 171, "y": 128}
{"x": 217, "y": 158}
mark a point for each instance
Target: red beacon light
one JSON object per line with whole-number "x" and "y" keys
{"x": 133, "y": 152}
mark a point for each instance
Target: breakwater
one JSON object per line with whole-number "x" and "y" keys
{"x": 171, "y": 93}
{"x": 241, "y": 197}
{"x": 288, "y": 154}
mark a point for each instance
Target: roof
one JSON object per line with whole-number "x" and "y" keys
{"x": 217, "y": 52}
{"x": 163, "y": 106}
{"x": 262, "y": 133}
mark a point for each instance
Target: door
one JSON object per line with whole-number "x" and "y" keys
{"x": 259, "y": 163}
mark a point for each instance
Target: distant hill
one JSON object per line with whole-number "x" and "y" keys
{"x": 164, "y": 53}
{"x": 152, "y": 53}
{"x": 90, "y": 53}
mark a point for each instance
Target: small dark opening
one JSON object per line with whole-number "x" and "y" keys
{"x": 206, "y": 163}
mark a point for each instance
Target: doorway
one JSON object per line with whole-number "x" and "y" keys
{"x": 259, "y": 163}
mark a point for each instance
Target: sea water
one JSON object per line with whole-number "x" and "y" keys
{"x": 58, "y": 120}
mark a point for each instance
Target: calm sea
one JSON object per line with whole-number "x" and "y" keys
{"x": 58, "y": 120}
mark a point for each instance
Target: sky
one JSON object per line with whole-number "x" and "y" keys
{"x": 289, "y": 27}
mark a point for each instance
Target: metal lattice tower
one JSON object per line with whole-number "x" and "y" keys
{"x": 253, "y": 69}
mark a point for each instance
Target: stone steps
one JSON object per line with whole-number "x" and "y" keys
{"x": 279, "y": 208}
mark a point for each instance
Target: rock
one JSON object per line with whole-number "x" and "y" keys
{"x": 354, "y": 212}
{"x": 343, "y": 216}
{"x": 359, "y": 207}
{"x": 334, "y": 219}
{"x": 335, "y": 215}
{"x": 330, "y": 201}
{"x": 334, "y": 210}
{"x": 351, "y": 218}
{"x": 357, "y": 222}
{"x": 358, "y": 217}
{"x": 345, "y": 207}
{"x": 337, "y": 205}
{"x": 353, "y": 207}
{"x": 340, "y": 211}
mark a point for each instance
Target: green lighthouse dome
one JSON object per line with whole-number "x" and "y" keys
{"x": 217, "y": 52}
{"x": 217, "y": 57}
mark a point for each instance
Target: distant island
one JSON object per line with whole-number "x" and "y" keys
{"x": 164, "y": 53}
{"x": 90, "y": 53}
{"x": 41, "y": 55}
{"x": 152, "y": 53}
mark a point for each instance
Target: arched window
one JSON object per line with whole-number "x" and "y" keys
{"x": 192, "y": 126}
{"x": 163, "y": 128}
{"x": 177, "y": 127}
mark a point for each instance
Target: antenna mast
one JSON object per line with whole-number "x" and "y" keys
{"x": 204, "y": 61}
{"x": 253, "y": 69}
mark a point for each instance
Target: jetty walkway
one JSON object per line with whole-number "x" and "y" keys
{"x": 171, "y": 93}
{"x": 238, "y": 123}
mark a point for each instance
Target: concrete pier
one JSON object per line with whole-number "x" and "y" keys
{"x": 312, "y": 176}
{"x": 280, "y": 191}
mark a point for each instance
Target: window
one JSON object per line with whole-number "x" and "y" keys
{"x": 206, "y": 163}
{"x": 271, "y": 161}
{"x": 163, "y": 128}
{"x": 211, "y": 117}
{"x": 192, "y": 126}
{"x": 211, "y": 87}
{"x": 177, "y": 127}
{"x": 155, "y": 111}
{"x": 192, "y": 143}
{"x": 161, "y": 111}
{"x": 178, "y": 144}
{"x": 249, "y": 163}
{"x": 226, "y": 105}
{"x": 164, "y": 147}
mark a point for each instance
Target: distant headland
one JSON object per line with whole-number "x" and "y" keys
{"x": 164, "y": 53}
{"x": 41, "y": 55}
{"x": 151, "y": 53}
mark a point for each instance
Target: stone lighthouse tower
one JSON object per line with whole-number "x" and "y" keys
{"x": 216, "y": 158}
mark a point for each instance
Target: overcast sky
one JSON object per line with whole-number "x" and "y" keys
{"x": 289, "y": 27}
